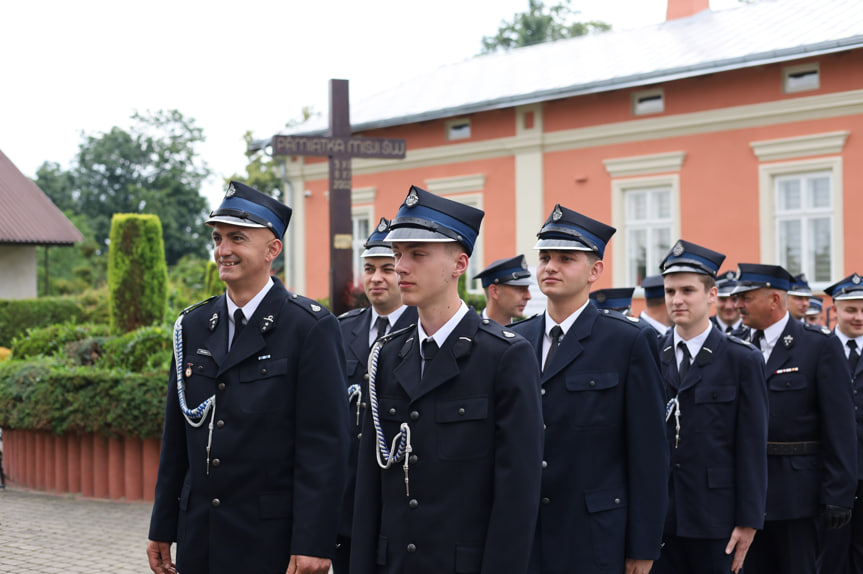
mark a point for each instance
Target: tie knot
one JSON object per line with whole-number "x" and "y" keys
{"x": 852, "y": 344}
{"x": 684, "y": 349}
{"x": 239, "y": 318}
{"x": 430, "y": 349}
{"x": 381, "y": 325}
{"x": 556, "y": 332}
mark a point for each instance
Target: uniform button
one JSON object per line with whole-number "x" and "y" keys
{"x": 200, "y": 367}
{"x": 414, "y": 458}
{"x": 788, "y": 384}
{"x": 220, "y": 423}
{"x": 546, "y": 500}
{"x": 617, "y": 501}
{"x": 544, "y": 426}
{"x": 366, "y": 377}
{"x": 263, "y": 371}
{"x": 592, "y": 383}
{"x": 412, "y": 548}
{"x": 542, "y": 391}
{"x": 359, "y": 435}
{"x": 415, "y": 415}
{"x": 413, "y": 503}
{"x": 392, "y": 410}
{"x": 364, "y": 405}
{"x": 461, "y": 411}
{"x": 221, "y": 386}
{"x": 545, "y": 464}
{"x": 216, "y": 462}
{"x": 676, "y": 465}
{"x": 216, "y": 502}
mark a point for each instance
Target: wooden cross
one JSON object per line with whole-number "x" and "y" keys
{"x": 340, "y": 147}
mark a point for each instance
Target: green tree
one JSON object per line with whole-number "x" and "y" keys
{"x": 540, "y": 24}
{"x": 153, "y": 167}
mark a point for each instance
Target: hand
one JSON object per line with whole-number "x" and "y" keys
{"x": 739, "y": 543}
{"x": 308, "y": 565}
{"x": 634, "y": 566}
{"x": 159, "y": 555}
{"x": 834, "y": 517}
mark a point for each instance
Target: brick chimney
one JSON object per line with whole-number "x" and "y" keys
{"x": 685, "y": 8}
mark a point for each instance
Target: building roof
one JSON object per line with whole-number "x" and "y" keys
{"x": 27, "y": 216}
{"x": 754, "y": 34}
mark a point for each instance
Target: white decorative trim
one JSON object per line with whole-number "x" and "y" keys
{"x": 644, "y": 164}
{"x": 363, "y": 195}
{"x": 767, "y": 205}
{"x": 800, "y": 146}
{"x": 457, "y": 184}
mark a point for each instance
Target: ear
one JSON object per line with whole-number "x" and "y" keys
{"x": 711, "y": 295}
{"x": 461, "y": 264}
{"x": 493, "y": 291}
{"x": 596, "y": 271}
{"x": 274, "y": 247}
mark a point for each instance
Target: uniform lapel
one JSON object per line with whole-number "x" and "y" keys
{"x": 571, "y": 345}
{"x": 359, "y": 344}
{"x": 263, "y": 321}
{"x": 669, "y": 361}
{"x": 784, "y": 347}
{"x": 408, "y": 318}
{"x": 703, "y": 358}
{"x": 217, "y": 342}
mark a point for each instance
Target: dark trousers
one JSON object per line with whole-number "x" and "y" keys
{"x": 693, "y": 556}
{"x": 842, "y": 550}
{"x": 784, "y": 547}
{"x": 342, "y": 557}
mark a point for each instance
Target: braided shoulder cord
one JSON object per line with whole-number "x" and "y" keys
{"x": 384, "y": 456}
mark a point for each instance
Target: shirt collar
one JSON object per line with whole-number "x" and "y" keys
{"x": 441, "y": 335}
{"x": 252, "y": 306}
{"x": 566, "y": 324}
{"x": 392, "y": 318}
{"x": 695, "y": 343}
{"x": 843, "y": 338}
{"x": 660, "y": 327}
{"x": 773, "y": 332}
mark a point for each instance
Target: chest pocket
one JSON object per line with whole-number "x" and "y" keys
{"x": 592, "y": 398}
{"x": 263, "y": 386}
{"x": 787, "y": 382}
{"x": 724, "y": 394}
{"x": 200, "y": 378}
{"x": 463, "y": 432}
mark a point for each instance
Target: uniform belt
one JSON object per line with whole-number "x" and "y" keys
{"x": 793, "y": 448}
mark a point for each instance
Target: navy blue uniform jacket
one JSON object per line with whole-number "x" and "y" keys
{"x": 476, "y": 431}
{"x": 810, "y": 400}
{"x": 857, "y": 390}
{"x": 355, "y": 327}
{"x": 279, "y": 451}
{"x": 719, "y": 468}
{"x": 604, "y": 488}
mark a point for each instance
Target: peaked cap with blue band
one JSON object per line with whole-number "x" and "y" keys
{"x": 752, "y": 276}
{"x": 375, "y": 245}
{"x": 849, "y": 288}
{"x": 568, "y": 230}
{"x": 687, "y": 257}
{"x": 816, "y": 305}
{"x": 506, "y": 272}
{"x": 617, "y": 298}
{"x": 800, "y": 286}
{"x": 725, "y": 283}
{"x": 247, "y": 207}
{"x": 654, "y": 287}
{"x": 424, "y": 216}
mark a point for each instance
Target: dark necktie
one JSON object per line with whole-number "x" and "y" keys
{"x": 238, "y": 325}
{"x": 757, "y": 337}
{"x": 684, "y": 364}
{"x": 728, "y": 329}
{"x": 430, "y": 349}
{"x": 381, "y": 325}
{"x": 853, "y": 356}
{"x": 556, "y": 334}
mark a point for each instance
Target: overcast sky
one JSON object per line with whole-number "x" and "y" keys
{"x": 86, "y": 66}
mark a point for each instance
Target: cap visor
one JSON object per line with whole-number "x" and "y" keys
{"x": 684, "y": 269}
{"x": 745, "y": 288}
{"x": 414, "y": 234}
{"x": 561, "y": 245}
{"x": 231, "y": 220}
{"x": 523, "y": 282}
{"x": 378, "y": 252}
{"x": 849, "y": 296}
{"x": 800, "y": 293}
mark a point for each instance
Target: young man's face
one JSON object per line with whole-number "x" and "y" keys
{"x": 849, "y": 317}
{"x": 243, "y": 253}
{"x": 798, "y": 306}
{"x": 565, "y": 274}
{"x": 726, "y": 310}
{"x": 428, "y": 271}
{"x": 687, "y": 299}
{"x": 510, "y": 299}
{"x": 381, "y": 284}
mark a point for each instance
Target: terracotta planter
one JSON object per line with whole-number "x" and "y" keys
{"x": 61, "y": 465}
{"x": 150, "y": 468}
{"x": 100, "y": 466}
{"x": 88, "y": 465}
{"x": 73, "y": 462}
{"x": 133, "y": 463}
{"x": 50, "y": 482}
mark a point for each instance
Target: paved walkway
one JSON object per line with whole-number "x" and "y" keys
{"x": 51, "y": 533}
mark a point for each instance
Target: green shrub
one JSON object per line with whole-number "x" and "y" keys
{"x": 137, "y": 272}
{"x": 215, "y": 286}
{"x": 147, "y": 349}
{"x": 51, "y": 341}
{"x": 16, "y": 316}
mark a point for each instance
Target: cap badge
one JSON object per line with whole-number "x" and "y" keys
{"x": 601, "y": 297}
{"x": 678, "y": 249}
{"x": 412, "y": 199}
{"x": 524, "y": 264}
{"x": 855, "y": 279}
{"x": 230, "y": 191}
{"x": 787, "y": 340}
{"x": 382, "y": 226}
{"x": 803, "y": 278}
{"x": 557, "y": 214}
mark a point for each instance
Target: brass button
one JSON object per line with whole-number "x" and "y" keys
{"x": 392, "y": 410}
{"x": 359, "y": 435}
{"x": 545, "y": 464}
{"x": 542, "y": 391}
{"x": 200, "y": 367}
{"x": 461, "y": 411}
{"x": 221, "y": 386}
{"x": 216, "y": 462}
{"x": 216, "y": 502}
{"x": 366, "y": 377}
{"x": 592, "y": 383}
{"x": 220, "y": 423}
{"x": 546, "y": 500}
{"x": 414, "y": 458}
{"x": 263, "y": 371}
{"x": 415, "y": 415}
{"x": 617, "y": 501}
{"x": 412, "y": 548}
{"x": 413, "y": 503}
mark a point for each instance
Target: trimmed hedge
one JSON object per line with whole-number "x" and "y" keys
{"x": 16, "y": 316}
{"x": 137, "y": 272}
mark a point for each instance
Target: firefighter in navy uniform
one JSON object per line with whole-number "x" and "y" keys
{"x": 842, "y": 549}
{"x": 360, "y": 329}
{"x": 449, "y": 464}
{"x": 812, "y": 447}
{"x": 727, "y": 316}
{"x": 254, "y": 448}
{"x": 605, "y": 468}
{"x": 506, "y": 283}
{"x": 614, "y": 299}
{"x": 716, "y": 423}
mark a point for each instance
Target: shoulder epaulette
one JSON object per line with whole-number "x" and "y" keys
{"x": 495, "y": 329}
{"x": 740, "y": 341}
{"x": 309, "y": 305}
{"x": 817, "y": 329}
{"x": 191, "y": 308}
{"x": 352, "y": 313}
{"x": 633, "y": 321}
{"x": 525, "y": 320}
{"x": 396, "y": 334}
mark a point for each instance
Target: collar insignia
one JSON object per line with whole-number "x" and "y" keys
{"x": 787, "y": 340}
{"x": 600, "y": 297}
{"x": 315, "y": 307}
{"x": 557, "y": 214}
{"x": 678, "y": 249}
{"x": 412, "y": 199}
{"x": 214, "y": 320}
{"x": 267, "y": 323}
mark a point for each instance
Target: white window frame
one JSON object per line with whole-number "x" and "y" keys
{"x": 619, "y": 188}
{"x": 768, "y": 174}
{"x": 804, "y": 215}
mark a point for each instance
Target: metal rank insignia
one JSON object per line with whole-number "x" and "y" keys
{"x": 855, "y": 279}
{"x": 382, "y": 226}
{"x": 267, "y": 323}
{"x": 214, "y": 320}
{"x": 230, "y": 191}
{"x": 787, "y": 340}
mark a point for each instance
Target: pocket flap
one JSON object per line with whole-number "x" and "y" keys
{"x": 254, "y": 371}
{"x": 462, "y": 410}
{"x": 591, "y": 381}
{"x": 607, "y": 499}
{"x": 723, "y": 394}
{"x": 787, "y": 382}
